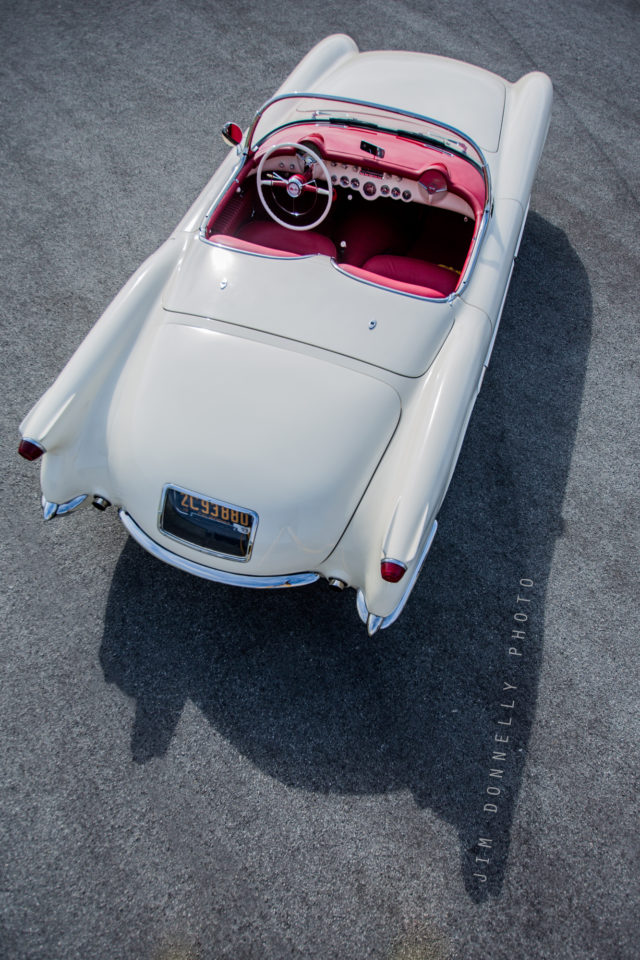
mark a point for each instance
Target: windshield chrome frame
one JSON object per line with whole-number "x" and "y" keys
{"x": 333, "y": 98}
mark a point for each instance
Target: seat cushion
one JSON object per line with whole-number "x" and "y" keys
{"x": 419, "y": 273}
{"x": 266, "y": 233}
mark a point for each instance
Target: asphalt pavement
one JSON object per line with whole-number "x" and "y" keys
{"x": 192, "y": 772}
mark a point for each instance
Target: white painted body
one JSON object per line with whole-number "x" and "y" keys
{"x": 331, "y": 407}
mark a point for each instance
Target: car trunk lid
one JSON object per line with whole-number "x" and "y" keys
{"x": 288, "y": 436}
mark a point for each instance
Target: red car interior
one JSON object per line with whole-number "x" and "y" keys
{"x": 418, "y": 247}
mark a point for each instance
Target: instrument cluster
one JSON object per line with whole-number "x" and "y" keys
{"x": 372, "y": 183}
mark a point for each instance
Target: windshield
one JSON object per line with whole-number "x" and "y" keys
{"x": 291, "y": 109}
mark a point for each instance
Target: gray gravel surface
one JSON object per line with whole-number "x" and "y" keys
{"x": 193, "y": 773}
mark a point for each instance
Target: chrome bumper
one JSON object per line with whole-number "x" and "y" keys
{"x": 208, "y": 573}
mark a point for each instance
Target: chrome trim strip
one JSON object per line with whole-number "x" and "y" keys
{"x": 524, "y": 223}
{"x": 256, "y": 253}
{"x": 202, "y": 232}
{"x": 400, "y": 563}
{"x": 361, "y": 607}
{"x": 423, "y": 556}
{"x": 208, "y": 573}
{"x": 506, "y": 291}
{"x": 375, "y": 623}
{"x": 222, "y": 503}
{"x": 477, "y": 243}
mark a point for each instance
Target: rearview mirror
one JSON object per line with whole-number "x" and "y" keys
{"x": 231, "y": 134}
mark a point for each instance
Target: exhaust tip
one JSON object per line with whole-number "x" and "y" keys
{"x": 100, "y": 503}
{"x": 336, "y": 584}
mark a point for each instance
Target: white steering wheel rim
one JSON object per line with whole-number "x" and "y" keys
{"x": 267, "y": 183}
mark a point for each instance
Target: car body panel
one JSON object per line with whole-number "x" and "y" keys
{"x": 234, "y": 286}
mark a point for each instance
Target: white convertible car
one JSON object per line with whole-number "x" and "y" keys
{"x": 281, "y": 391}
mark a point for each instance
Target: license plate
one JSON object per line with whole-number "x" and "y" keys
{"x": 213, "y": 525}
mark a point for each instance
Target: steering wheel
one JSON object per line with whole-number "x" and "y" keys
{"x": 294, "y": 192}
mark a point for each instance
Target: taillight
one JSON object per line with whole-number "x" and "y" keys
{"x": 392, "y": 570}
{"x": 30, "y": 450}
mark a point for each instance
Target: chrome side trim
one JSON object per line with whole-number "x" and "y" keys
{"x": 504, "y": 298}
{"x": 222, "y": 193}
{"x": 374, "y": 622}
{"x": 524, "y": 223}
{"x": 208, "y": 573}
{"x": 477, "y": 243}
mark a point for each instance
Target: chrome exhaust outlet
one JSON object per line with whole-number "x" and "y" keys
{"x": 336, "y": 584}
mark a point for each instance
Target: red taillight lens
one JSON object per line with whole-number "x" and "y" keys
{"x": 30, "y": 450}
{"x": 392, "y": 570}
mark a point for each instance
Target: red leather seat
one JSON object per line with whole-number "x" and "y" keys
{"x": 418, "y": 273}
{"x": 266, "y": 233}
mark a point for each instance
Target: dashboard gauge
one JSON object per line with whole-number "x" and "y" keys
{"x": 435, "y": 183}
{"x": 355, "y": 183}
{"x": 344, "y": 181}
{"x": 384, "y": 189}
{"x": 395, "y": 193}
{"x": 369, "y": 189}
{"x": 406, "y": 194}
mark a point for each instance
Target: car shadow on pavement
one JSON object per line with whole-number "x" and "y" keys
{"x": 292, "y": 680}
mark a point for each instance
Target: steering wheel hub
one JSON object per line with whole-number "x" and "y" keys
{"x": 295, "y": 185}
